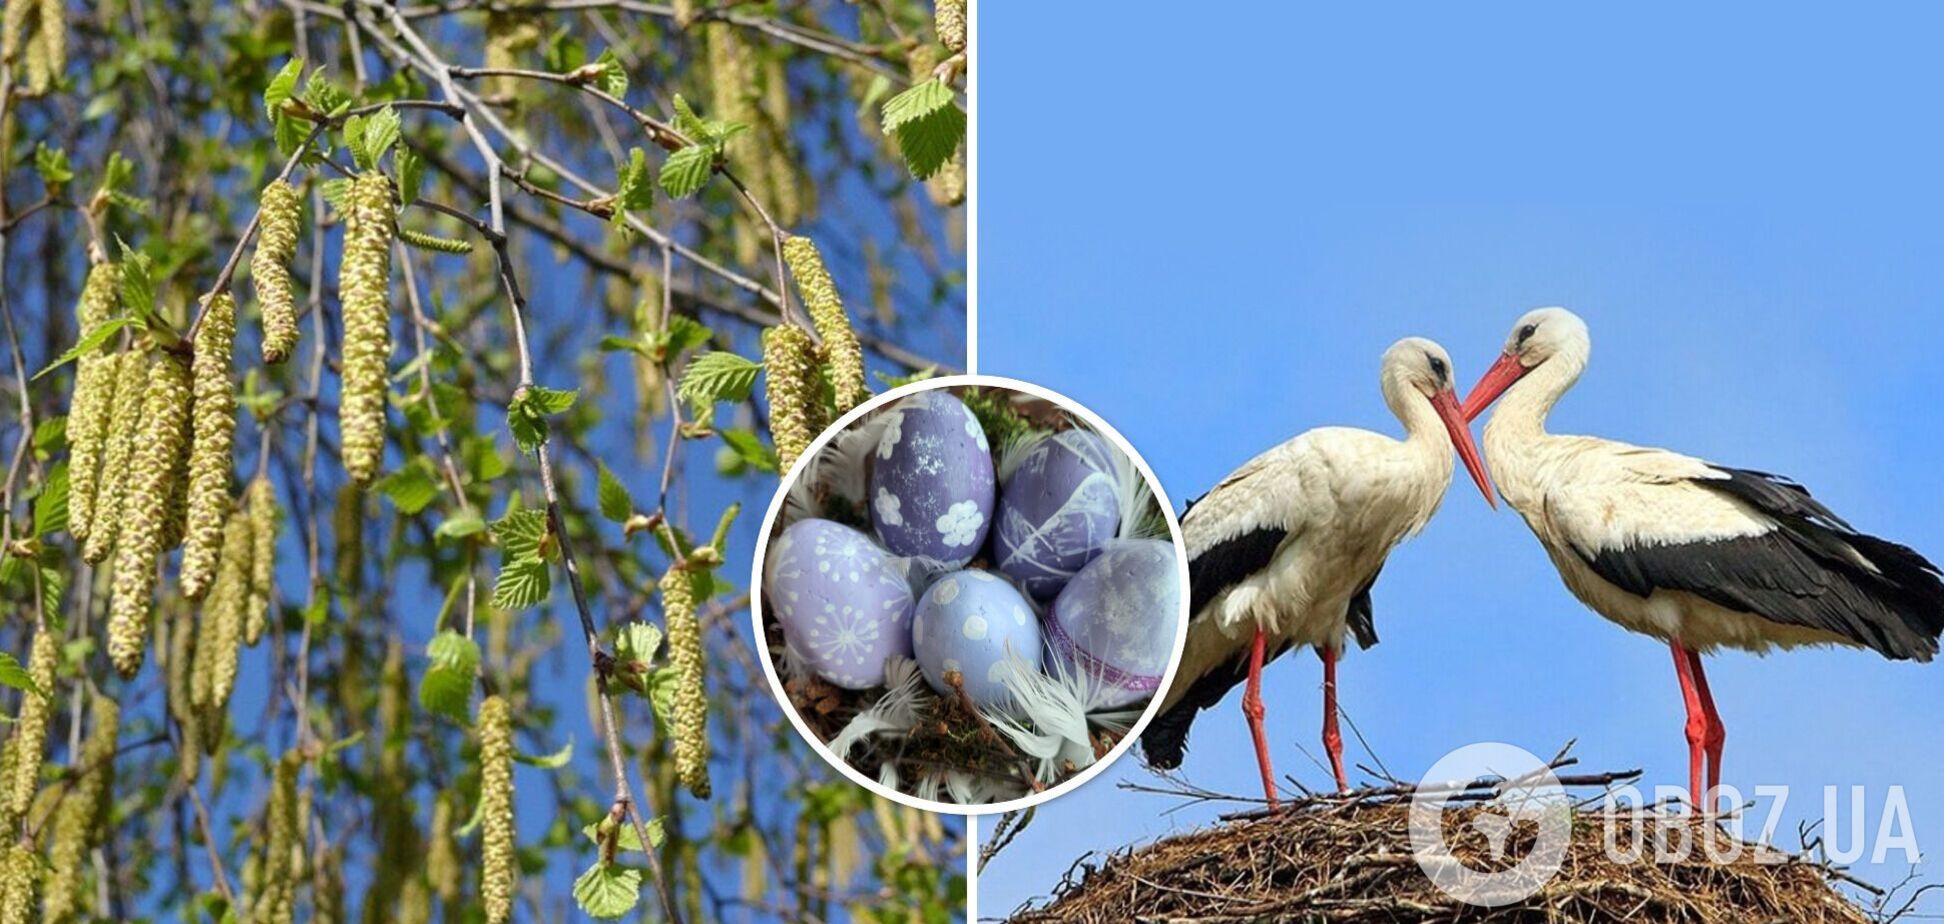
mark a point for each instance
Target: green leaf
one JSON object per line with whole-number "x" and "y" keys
{"x": 929, "y": 141}
{"x": 411, "y": 488}
{"x": 688, "y": 123}
{"x": 616, "y": 505}
{"x": 921, "y": 100}
{"x": 51, "y": 504}
{"x": 685, "y": 333}
{"x": 520, "y": 532}
{"x": 614, "y": 77}
{"x": 411, "y": 174}
{"x": 554, "y": 761}
{"x": 89, "y": 342}
{"x": 550, "y": 400}
{"x": 687, "y": 170}
{"x": 334, "y": 192}
{"x": 13, "y": 675}
{"x": 614, "y": 344}
{"x": 282, "y": 86}
{"x": 607, "y": 890}
{"x": 526, "y": 414}
{"x": 522, "y": 583}
{"x": 380, "y": 133}
{"x": 625, "y": 838}
{"x": 323, "y": 95}
{"x": 52, "y": 164}
{"x": 719, "y": 375}
{"x": 635, "y": 190}
{"x": 637, "y": 641}
{"x": 467, "y": 523}
{"x": 897, "y": 381}
{"x": 50, "y": 434}
{"x": 354, "y": 141}
{"x": 751, "y": 449}
{"x": 446, "y": 688}
{"x": 137, "y": 282}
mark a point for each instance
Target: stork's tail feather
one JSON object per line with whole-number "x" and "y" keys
{"x": 1165, "y": 739}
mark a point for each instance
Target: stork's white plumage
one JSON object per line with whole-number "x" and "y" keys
{"x": 1283, "y": 552}
{"x": 1701, "y": 556}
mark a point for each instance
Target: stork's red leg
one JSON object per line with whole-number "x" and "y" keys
{"x": 1716, "y": 734}
{"x": 1332, "y": 739}
{"x": 1252, "y": 708}
{"x": 1697, "y": 720}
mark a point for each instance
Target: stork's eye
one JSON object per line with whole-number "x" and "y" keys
{"x": 1526, "y": 332}
{"x": 1438, "y": 368}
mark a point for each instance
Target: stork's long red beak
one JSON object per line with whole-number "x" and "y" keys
{"x": 1446, "y": 404}
{"x": 1493, "y": 383}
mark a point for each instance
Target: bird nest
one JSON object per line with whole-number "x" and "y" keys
{"x": 1350, "y": 859}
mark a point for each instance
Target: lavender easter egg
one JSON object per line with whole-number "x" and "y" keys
{"x": 1115, "y": 622}
{"x": 931, "y": 480}
{"x": 979, "y": 625}
{"x": 842, "y": 602}
{"x": 1057, "y": 509}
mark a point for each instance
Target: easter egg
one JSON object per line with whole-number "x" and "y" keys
{"x": 975, "y": 623}
{"x": 1116, "y": 620}
{"x": 842, "y": 602}
{"x": 931, "y": 485}
{"x": 1057, "y": 510}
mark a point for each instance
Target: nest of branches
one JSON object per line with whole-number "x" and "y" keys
{"x": 1350, "y": 859}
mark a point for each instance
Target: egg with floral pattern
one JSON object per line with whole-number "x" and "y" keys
{"x": 931, "y": 484}
{"x": 1058, "y": 508}
{"x": 843, "y": 603}
{"x": 979, "y": 625}
{"x": 1116, "y": 621}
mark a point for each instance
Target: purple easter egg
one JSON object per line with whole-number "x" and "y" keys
{"x": 979, "y": 625}
{"x": 842, "y": 602}
{"x": 1116, "y": 620}
{"x": 1057, "y": 510}
{"x": 931, "y": 480}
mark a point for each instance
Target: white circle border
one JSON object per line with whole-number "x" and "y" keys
{"x": 776, "y": 508}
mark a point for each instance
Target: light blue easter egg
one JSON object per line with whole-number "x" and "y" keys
{"x": 971, "y": 622}
{"x": 931, "y": 485}
{"x": 843, "y": 604}
{"x": 1057, "y": 510}
{"x": 1116, "y": 621}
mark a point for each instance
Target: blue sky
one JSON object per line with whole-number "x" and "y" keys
{"x": 1207, "y": 229}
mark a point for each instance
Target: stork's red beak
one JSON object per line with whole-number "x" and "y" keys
{"x": 1446, "y": 404}
{"x": 1492, "y": 384}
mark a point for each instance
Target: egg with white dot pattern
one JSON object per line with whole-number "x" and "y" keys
{"x": 843, "y": 603}
{"x": 970, "y": 622}
{"x": 1058, "y": 508}
{"x": 931, "y": 485}
{"x": 1117, "y": 619}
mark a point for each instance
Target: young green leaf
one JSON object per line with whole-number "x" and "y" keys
{"x": 687, "y": 170}
{"x": 616, "y": 505}
{"x": 91, "y": 341}
{"x": 522, "y": 583}
{"x": 380, "y": 133}
{"x": 554, "y": 761}
{"x": 51, "y": 504}
{"x": 13, "y": 675}
{"x": 411, "y": 174}
{"x": 928, "y": 142}
{"x": 446, "y": 688}
{"x": 520, "y": 533}
{"x": 411, "y": 488}
{"x": 461, "y": 525}
{"x": 614, "y": 77}
{"x": 282, "y": 86}
{"x": 751, "y": 449}
{"x": 607, "y": 891}
{"x": 719, "y": 375}
{"x": 921, "y": 100}
{"x": 137, "y": 282}
{"x": 52, "y": 165}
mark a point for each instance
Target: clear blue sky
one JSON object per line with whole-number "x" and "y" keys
{"x": 1208, "y": 227}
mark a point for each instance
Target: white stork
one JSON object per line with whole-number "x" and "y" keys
{"x": 1701, "y": 556}
{"x": 1283, "y": 552}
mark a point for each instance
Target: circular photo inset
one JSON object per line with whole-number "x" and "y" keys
{"x": 969, "y": 592}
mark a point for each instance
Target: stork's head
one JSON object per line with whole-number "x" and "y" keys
{"x": 1540, "y": 335}
{"x": 1420, "y": 366}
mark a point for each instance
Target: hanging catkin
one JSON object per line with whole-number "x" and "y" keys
{"x": 785, "y": 198}
{"x": 30, "y": 728}
{"x": 165, "y": 414}
{"x": 948, "y": 17}
{"x": 212, "y": 440}
{"x": 222, "y": 622}
{"x": 130, "y": 381}
{"x": 14, "y": 26}
{"x": 509, "y": 34}
{"x": 364, "y": 280}
{"x": 19, "y": 876}
{"x": 733, "y": 93}
{"x": 181, "y": 688}
{"x": 279, "y": 211}
{"x": 795, "y": 398}
{"x": 496, "y": 808}
{"x": 260, "y": 501}
{"x": 81, "y": 821}
{"x": 840, "y": 346}
{"x": 94, "y": 386}
{"x": 442, "y": 865}
{"x": 275, "y": 901}
{"x": 347, "y": 529}
{"x": 53, "y": 35}
{"x": 691, "y": 697}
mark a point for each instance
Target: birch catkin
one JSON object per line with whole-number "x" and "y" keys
{"x": 181, "y": 687}
{"x": 222, "y": 622}
{"x": 364, "y": 280}
{"x": 19, "y": 877}
{"x": 840, "y": 346}
{"x": 691, "y": 697}
{"x": 30, "y": 727}
{"x": 795, "y": 398}
{"x": 94, "y": 386}
{"x": 948, "y": 17}
{"x": 496, "y": 808}
{"x": 81, "y": 821}
{"x": 125, "y": 416}
{"x": 261, "y": 504}
{"x": 213, "y": 437}
{"x": 165, "y": 412}
{"x": 280, "y": 209}
{"x": 53, "y": 36}
{"x": 276, "y": 893}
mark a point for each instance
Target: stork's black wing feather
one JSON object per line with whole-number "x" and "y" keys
{"x": 1229, "y": 562}
{"x": 1806, "y": 572}
{"x": 1165, "y": 739}
{"x": 1361, "y": 618}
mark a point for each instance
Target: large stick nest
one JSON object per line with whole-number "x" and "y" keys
{"x": 1351, "y": 861}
